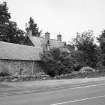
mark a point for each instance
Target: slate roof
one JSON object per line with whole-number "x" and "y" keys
{"x": 37, "y": 41}
{"x": 19, "y": 52}
{"x": 40, "y": 42}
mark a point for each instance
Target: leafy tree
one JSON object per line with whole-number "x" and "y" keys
{"x": 32, "y": 26}
{"x": 77, "y": 59}
{"x": 101, "y": 55}
{"x": 4, "y": 20}
{"x": 55, "y": 62}
{"x": 70, "y": 47}
{"x": 85, "y": 43}
{"x": 9, "y": 31}
{"x": 4, "y": 14}
{"x": 101, "y": 40}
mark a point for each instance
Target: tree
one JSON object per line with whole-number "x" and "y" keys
{"x": 101, "y": 55}
{"x": 4, "y": 14}
{"x": 4, "y": 20}
{"x": 55, "y": 62}
{"x": 77, "y": 60}
{"x": 9, "y": 31}
{"x": 85, "y": 43}
{"x": 101, "y": 40}
{"x": 32, "y": 26}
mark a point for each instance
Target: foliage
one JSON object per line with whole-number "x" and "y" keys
{"x": 4, "y": 20}
{"x": 9, "y": 31}
{"x": 77, "y": 60}
{"x": 4, "y": 70}
{"x": 84, "y": 39}
{"x": 70, "y": 47}
{"x": 101, "y": 51}
{"x": 101, "y": 40}
{"x": 4, "y": 15}
{"x": 55, "y": 62}
{"x": 32, "y": 26}
{"x": 85, "y": 43}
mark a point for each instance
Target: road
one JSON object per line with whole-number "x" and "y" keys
{"x": 81, "y": 94}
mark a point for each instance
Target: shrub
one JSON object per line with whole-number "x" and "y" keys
{"x": 84, "y": 42}
{"x": 55, "y": 62}
{"x": 4, "y": 70}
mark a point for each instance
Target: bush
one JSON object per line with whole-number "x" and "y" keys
{"x": 4, "y": 70}
{"x": 55, "y": 62}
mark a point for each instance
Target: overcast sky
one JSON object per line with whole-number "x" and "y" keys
{"x": 65, "y": 16}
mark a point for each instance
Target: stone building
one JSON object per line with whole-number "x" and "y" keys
{"x": 46, "y": 43}
{"x": 20, "y": 59}
{"x": 23, "y": 59}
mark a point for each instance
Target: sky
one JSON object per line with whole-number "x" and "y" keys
{"x": 66, "y": 17}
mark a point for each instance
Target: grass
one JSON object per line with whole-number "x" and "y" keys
{"x": 64, "y": 76}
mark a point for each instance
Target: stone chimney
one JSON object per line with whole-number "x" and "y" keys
{"x": 59, "y": 37}
{"x": 47, "y": 37}
{"x": 46, "y": 44}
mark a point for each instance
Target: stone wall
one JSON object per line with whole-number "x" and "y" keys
{"x": 21, "y": 67}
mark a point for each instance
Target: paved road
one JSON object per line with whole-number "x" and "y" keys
{"x": 84, "y": 94}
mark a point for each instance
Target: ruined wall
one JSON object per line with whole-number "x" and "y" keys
{"x": 21, "y": 67}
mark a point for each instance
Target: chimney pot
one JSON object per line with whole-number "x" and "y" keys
{"x": 59, "y": 37}
{"x": 47, "y": 36}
